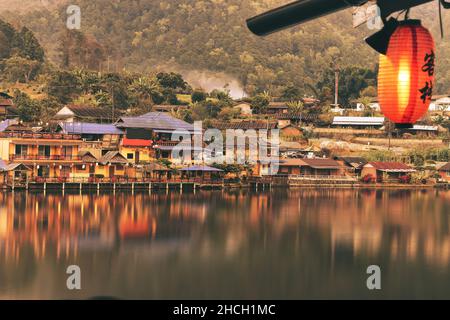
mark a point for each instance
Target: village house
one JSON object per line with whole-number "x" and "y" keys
{"x": 244, "y": 108}
{"x": 97, "y": 138}
{"x": 277, "y": 107}
{"x": 424, "y": 131}
{"x": 444, "y": 172}
{"x": 7, "y": 108}
{"x": 250, "y": 129}
{"x": 85, "y": 113}
{"x": 358, "y": 122}
{"x": 377, "y": 171}
{"x": 13, "y": 173}
{"x": 202, "y": 173}
{"x": 306, "y": 167}
{"x": 49, "y": 155}
{"x": 245, "y": 125}
{"x": 353, "y": 163}
{"x": 149, "y": 137}
{"x": 440, "y": 103}
{"x": 115, "y": 166}
{"x": 290, "y": 132}
{"x": 154, "y": 171}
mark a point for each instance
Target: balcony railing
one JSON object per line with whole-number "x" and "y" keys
{"x": 321, "y": 177}
{"x": 15, "y": 157}
{"x": 50, "y": 136}
{"x": 123, "y": 180}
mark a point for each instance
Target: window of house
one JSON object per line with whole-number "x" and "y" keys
{"x": 66, "y": 151}
{"x": 44, "y": 151}
{"x": 21, "y": 150}
{"x": 130, "y": 155}
{"x": 165, "y": 154}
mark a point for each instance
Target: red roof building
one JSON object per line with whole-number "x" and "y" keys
{"x": 444, "y": 172}
{"x": 386, "y": 171}
{"x": 126, "y": 142}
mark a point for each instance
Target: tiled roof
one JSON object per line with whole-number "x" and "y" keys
{"x": 320, "y": 163}
{"x": 201, "y": 168}
{"x": 89, "y": 128}
{"x": 12, "y": 166}
{"x": 391, "y": 166}
{"x": 84, "y": 111}
{"x": 87, "y": 156}
{"x": 353, "y": 161}
{"x": 155, "y": 120}
{"x": 292, "y": 162}
{"x": 245, "y": 125}
{"x": 113, "y": 157}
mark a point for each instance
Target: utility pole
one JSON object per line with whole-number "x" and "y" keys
{"x": 113, "y": 103}
{"x": 336, "y": 86}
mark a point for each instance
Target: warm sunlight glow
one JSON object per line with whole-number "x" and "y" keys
{"x": 403, "y": 84}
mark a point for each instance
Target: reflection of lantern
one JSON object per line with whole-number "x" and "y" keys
{"x": 405, "y": 80}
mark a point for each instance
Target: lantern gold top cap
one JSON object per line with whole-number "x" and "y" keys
{"x": 410, "y": 22}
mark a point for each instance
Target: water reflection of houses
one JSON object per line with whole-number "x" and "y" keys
{"x": 400, "y": 222}
{"x": 62, "y": 226}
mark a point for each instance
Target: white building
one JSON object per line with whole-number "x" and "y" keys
{"x": 440, "y": 103}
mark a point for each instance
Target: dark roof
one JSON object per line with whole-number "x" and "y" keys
{"x": 5, "y": 95}
{"x": 244, "y": 125}
{"x": 113, "y": 157}
{"x": 89, "y": 128}
{"x": 390, "y": 166}
{"x": 319, "y": 163}
{"x": 445, "y": 167}
{"x": 353, "y": 161}
{"x": 201, "y": 168}
{"x": 155, "y": 120}
{"x": 83, "y": 111}
{"x": 87, "y": 156}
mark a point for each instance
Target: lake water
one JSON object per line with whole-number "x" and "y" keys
{"x": 283, "y": 244}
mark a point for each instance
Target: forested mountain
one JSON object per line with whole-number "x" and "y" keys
{"x": 207, "y": 40}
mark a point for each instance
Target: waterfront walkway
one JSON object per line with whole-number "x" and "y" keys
{"x": 112, "y": 184}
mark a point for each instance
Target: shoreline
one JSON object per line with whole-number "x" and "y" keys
{"x": 61, "y": 187}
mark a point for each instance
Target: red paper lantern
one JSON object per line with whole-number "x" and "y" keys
{"x": 406, "y": 75}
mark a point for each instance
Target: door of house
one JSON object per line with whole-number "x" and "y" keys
{"x": 43, "y": 171}
{"x": 91, "y": 171}
{"x": 137, "y": 157}
{"x": 65, "y": 172}
{"x": 112, "y": 171}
